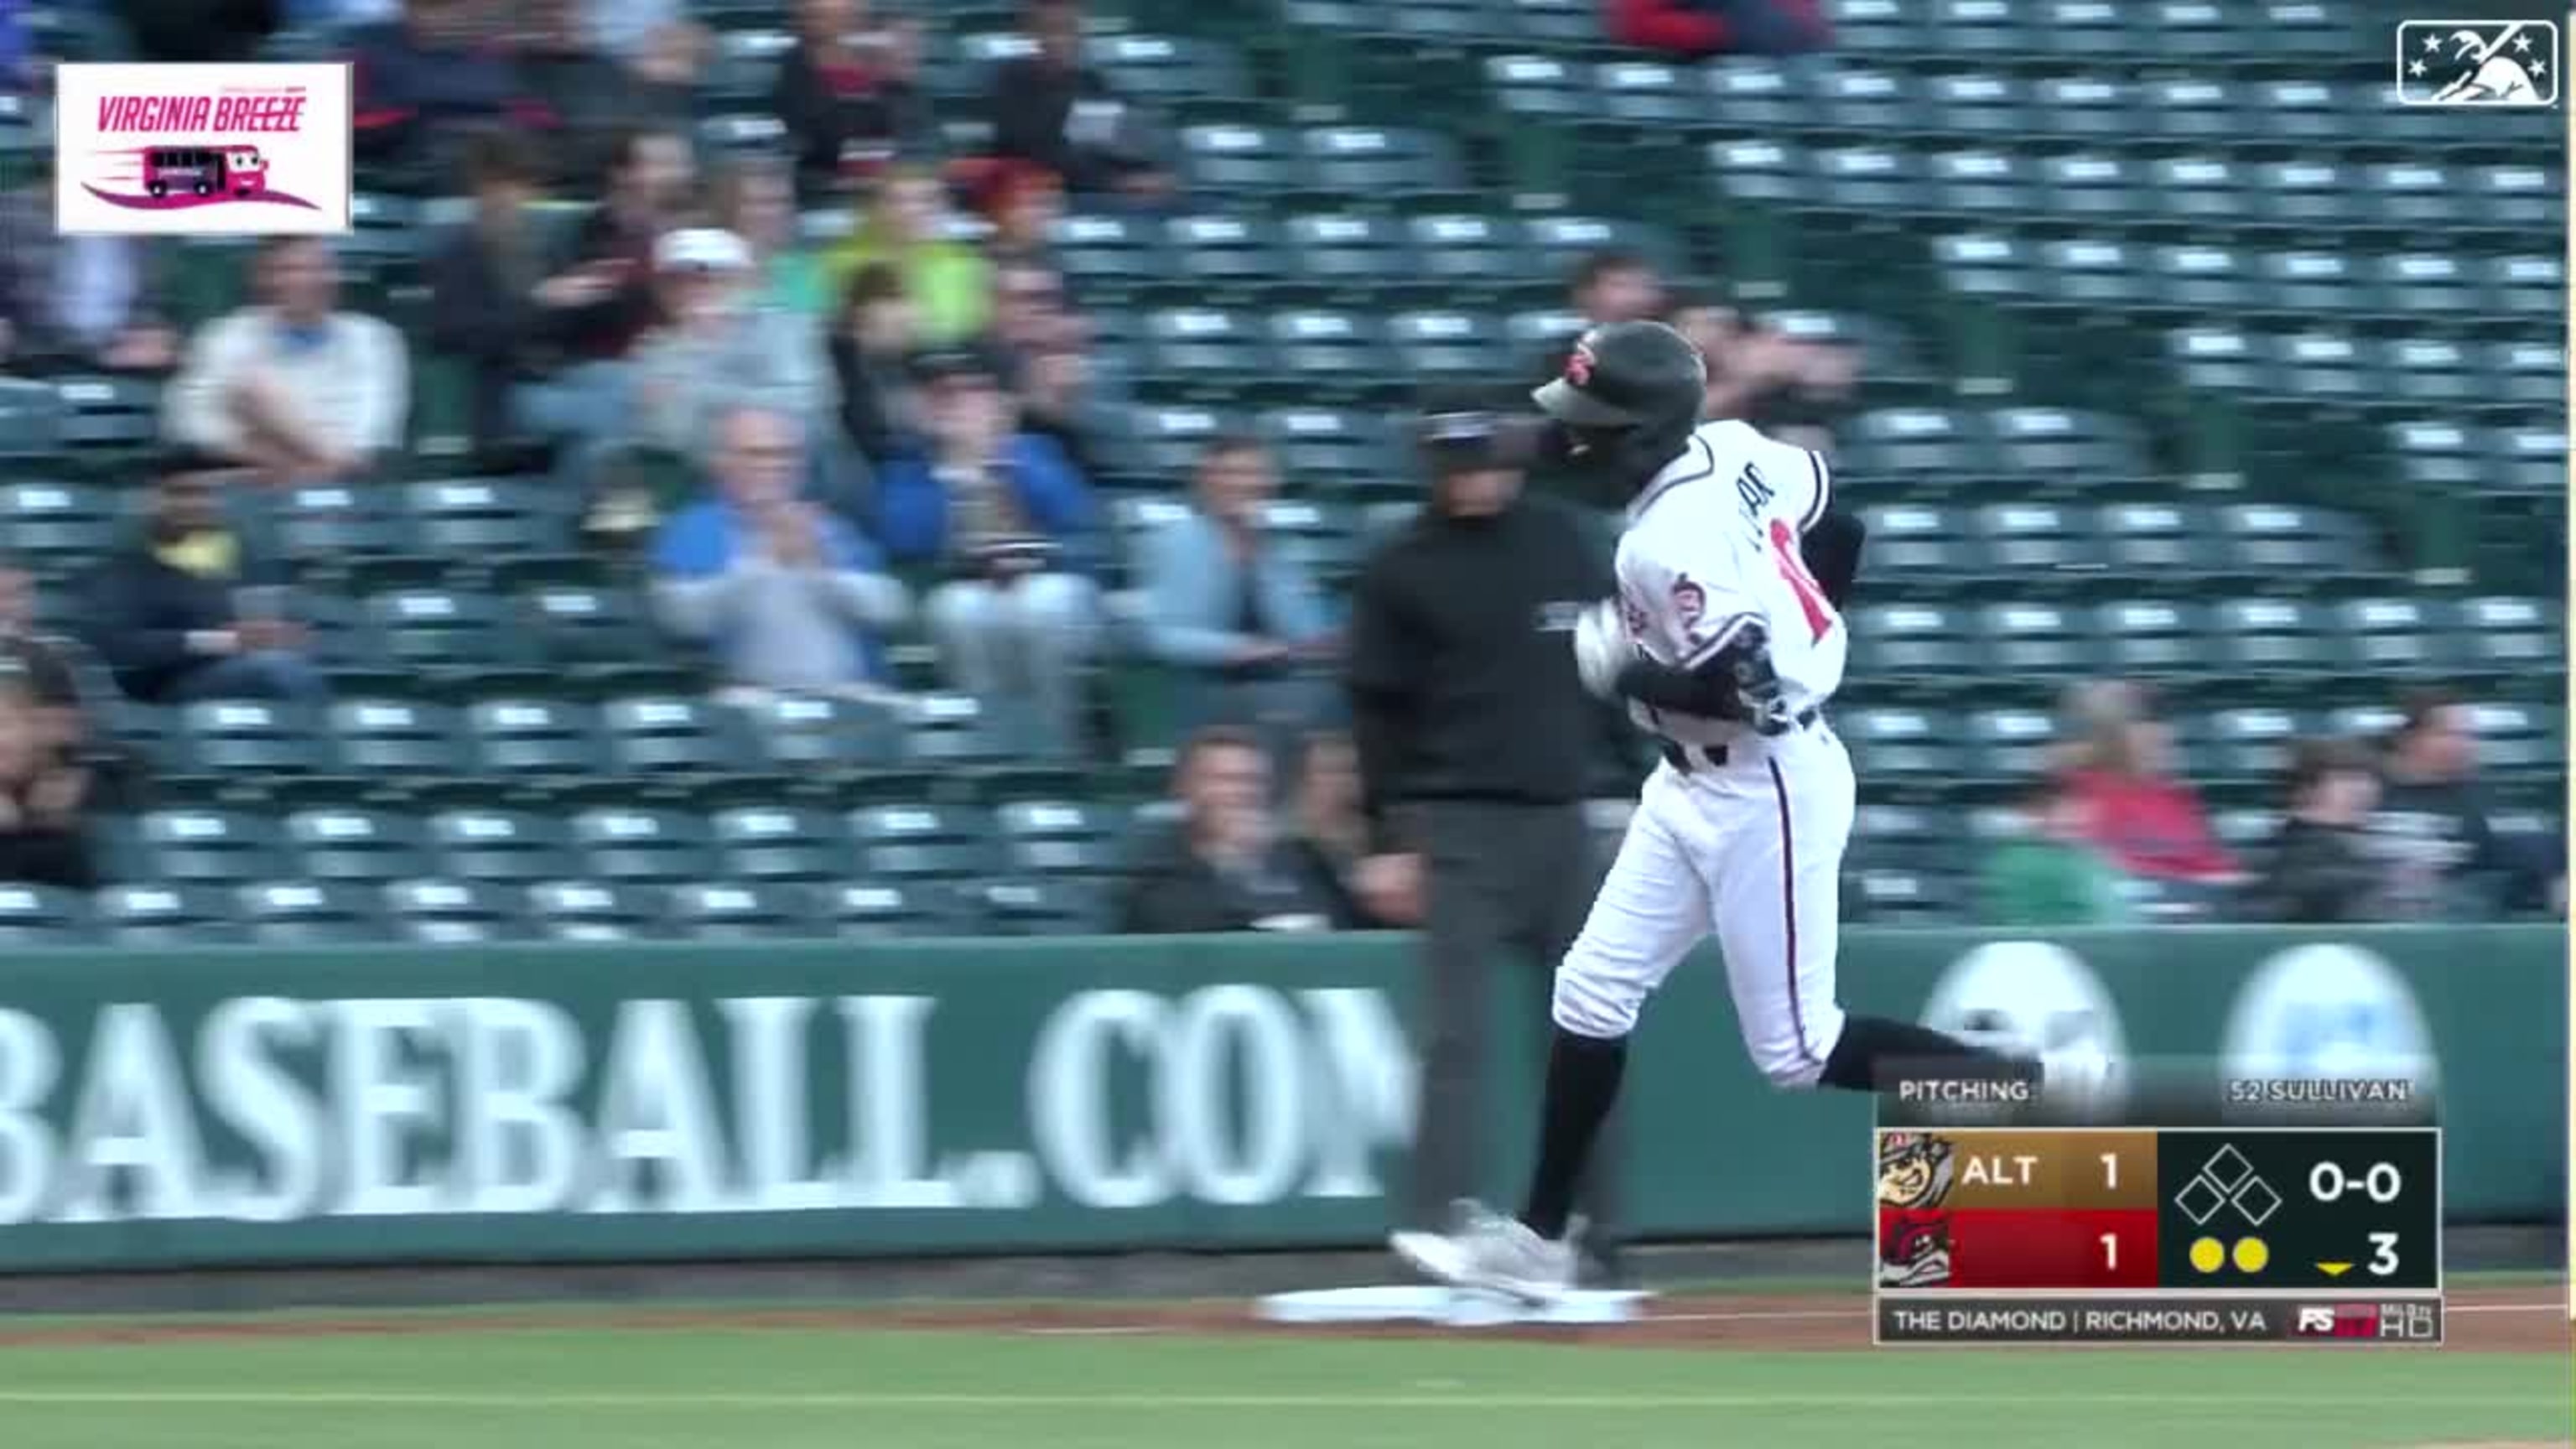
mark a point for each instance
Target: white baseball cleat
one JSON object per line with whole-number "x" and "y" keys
{"x": 1490, "y": 1250}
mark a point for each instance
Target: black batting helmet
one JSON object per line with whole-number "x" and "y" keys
{"x": 1631, "y": 391}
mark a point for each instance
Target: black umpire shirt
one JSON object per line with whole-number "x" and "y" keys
{"x": 1461, "y": 672}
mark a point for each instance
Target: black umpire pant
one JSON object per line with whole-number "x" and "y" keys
{"x": 1508, "y": 885}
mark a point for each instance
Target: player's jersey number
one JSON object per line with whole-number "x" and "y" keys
{"x": 1793, "y": 572}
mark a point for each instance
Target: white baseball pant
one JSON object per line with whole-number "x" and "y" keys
{"x": 1751, "y": 850}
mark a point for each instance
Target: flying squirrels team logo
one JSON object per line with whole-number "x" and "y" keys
{"x": 1914, "y": 1175}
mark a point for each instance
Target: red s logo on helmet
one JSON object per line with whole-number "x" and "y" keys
{"x": 1578, "y": 366}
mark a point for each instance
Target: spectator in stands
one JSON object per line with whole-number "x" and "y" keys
{"x": 294, "y": 388}
{"x": 1616, "y": 285}
{"x": 2050, "y": 874}
{"x": 43, "y": 795}
{"x": 1051, "y": 110}
{"x": 637, "y": 30}
{"x": 483, "y": 281}
{"x": 76, "y": 302}
{"x": 2322, "y": 869}
{"x": 1332, "y": 833}
{"x": 1241, "y": 621}
{"x": 176, "y": 31}
{"x": 2149, "y": 823}
{"x": 1041, "y": 349}
{"x": 1698, "y": 29}
{"x": 790, "y": 595}
{"x": 755, "y": 201}
{"x": 599, "y": 301}
{"x": 949, "y": 282}
{"x": 190, "y": 609}
{"x": 720, "y": 349}
{"x": 593, "y": 90}
{"x": 850, "y": 92}
{"x": 1226, "y": 868}
{"x": 1009, "y": 520}
{"x": 425, "y": 78}
{"x": 1757, "y": 374}
{"x": 872, "y": 352}
{"x": 2431, "y": 827}
{"x": 1023, "y": 203}
{"x": 56, "y": 671}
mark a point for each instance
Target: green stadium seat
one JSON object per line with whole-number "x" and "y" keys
{"x": 2041, "y": 547}
{"x": 2325, "y": 284}
{"x": 2093, "y": 275}
{"x": 1158, "y": 445}
{"x": 1860, "y": 103}
{"x": 164, "y": 915}
{"x": 480, "y": 518}
{"x": 2436, "y": 374}
{"x": 592, "y": 634}
{"x": 1913, "y": 650}
{"x": 2094, "y": 109}
{"x": 1217, "y": 258}
{"x": 1562, "y": 241}
{"x": 666, "y": 736}
{"x": 2250, "y": 746}
{"x": 1058, "y": 837}
{"x": 2532, "y": 462}
{"x": 1910, "y": 752}
{"x": 248, "y": 737}
{"x": 2518, "y": 740}
{"x": 1237, "y": 160}
{"x": 343, "y": 534}
{"x": 2153, "y": 639}
{"x": 1645, "y": 101}
{"x": 306, "y": 913}
{"x": 1432, "y": 347}
{"x": 1342, "y": 450}
{"x": 1342, "y": 252}
{"x": 1989, "y": 186}
{"x": 2274, "y": 643}
{"x": 30, "y": 420}
{"x": 35, "y": 917}
{"x": 1204, "y": 352}
{"x": 745, "y": 133}
{"x": 1059, "y": 906}
{"x": 2435, "y": 287}
{"x": 484, "y": 844}
{"x": 818, "y": 734}
{"x": 2200, "y": 192}
{"x": 2218, "y": 360}
{"x": 2282, "y": 546}
{"x": 1552, "y": 24}
{"x": 57, "y": 528}
{"x": 594, "y": 911}
{"x": 1756, "y": 96}
{"x": 532, "y": 740}
{"x": 2528, "y": 377}
{"x": 739, "y": 911}
{"x": 2506, "y": 641}
{"x": 745, "y": 67}
{"x": 1324, "y": 355}
{"x": 2414, "y": 197}
{"x": 771, "y": 841}
{"x": 2529, "y": 288}
{"x": 1760, "y": 183}
{"x": 2305, "y": 113}
{"x": 2395, "y": 635}
{"x": 1990, "y": 31}
{"x": 2153, "y": 544}
{"x": 2089, "y": 188}
{"x": 2514, "y": 203}
{"x": 879, "y": 910}
{"x": 2060, "y": 449}
{"x": 959, "y": 731}
{"x": 451, "y": 913}
{"x": 197, "y": 847}
{"x": 2320, "y": 369}
{"x": 1896, "y": 897}
{"x": 629, "y": 844}
{"x": 1979, "y": 107}
{"x": 1172, "y": 74}
{"x": 108, "y": 417}
{"x": 2438, "y": 458}
{"x": 1463, "y": 258}
{"x": 921, "y": 841}
{"x": 1928, "y": 548}
{"x": 1540, "y": 339}
{"x": 2012, "y": 744}
{"x": 1538, "y": 100}
{"x": 2197, "y": 111}
{"x": 1106, "y": 258}
{"x": 2309, "y": 197}
{"x": 1927, "y": 445}
{"x": 1880, "y": 30}
{"x": 1871, "y": 182}
{"x": 365, "y": 846}
{"x": 1411, "y": 169}
{"x": 2032, "y": 640}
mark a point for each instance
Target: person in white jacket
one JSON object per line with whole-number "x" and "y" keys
{"x": 294, "y": 388}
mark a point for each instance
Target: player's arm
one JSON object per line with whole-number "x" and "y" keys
{"x": 1832, "y": 551}
{"x": 1730, "y": 677}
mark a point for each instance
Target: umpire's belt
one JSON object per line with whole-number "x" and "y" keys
{"x": 1687, "y": 758}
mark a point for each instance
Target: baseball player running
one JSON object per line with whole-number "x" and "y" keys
{"x": 1725, "y": 643}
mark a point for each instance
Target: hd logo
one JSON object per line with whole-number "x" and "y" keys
{"x": 2477, "y": 63}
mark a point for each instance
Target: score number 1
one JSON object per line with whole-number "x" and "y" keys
{"x": 2110, "y": 1241}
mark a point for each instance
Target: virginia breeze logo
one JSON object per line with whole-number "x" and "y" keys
{"x": 1914, "y": 1173}
{"x": 203, "y": 148}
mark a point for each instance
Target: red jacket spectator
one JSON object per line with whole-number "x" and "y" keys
{"x": 1699, "y": 28}
{"x": 2134, "y": 810}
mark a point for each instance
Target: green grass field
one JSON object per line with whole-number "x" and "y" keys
{"x": 503, "y": 1384}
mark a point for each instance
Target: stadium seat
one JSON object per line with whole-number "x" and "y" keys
{"x": 2309, "y": 197}
{"x": 1753, "y": 95}
{"x": 1465, "y": 258}
{"x": 628, "y": 844}
{"x": 1444, "y": 347}
{"x": 30, "y": 420}
{"x": 2511, "y": 641}
{"x": 884, "y": 909}
{"x": 1913, "y": 649}
{"x": 361, "y": 846}
{"x": 1205, "y": 353}
{"x": 2041, "y": 547}
{"x": 1215, "y": 259}
{"x": 668, "y": 736}
{"x": 1057, "y": 837}
{"x": 2517, "y": 740}
{"x": 2311, "y": 283}
{"x": 191, "y": 847}
{"x": 920, "y": 842}
{"x": 773, "y": 842}
{"x": 533, "y": 739}
{"x": 2094, "y": 187}
{"x": 807, "y": 733}
{"x": 2196, "y": 111}
{"x": 305, "y": 913}
{"x": 57, "y": 528}
{"x": 593, "y": 911}
{"x": 1911, "y": 751}
{"x": 2011, "y": 745}
{"x": 2031, "y": 640}
{"x": 483, "y": 844}
{"x": 1106, "y": 258}
{"x": 1058, "y": 906}
{"x": 451, "y": 913}
{"x": 1325, "y": 355}
{"x": 2276, "y": 644}
{"x": 107, "y": 419}
{"x": 1980, "y": 185}
{"x": 2285, "y": 547}
{"x": 2153, "y": 639}
{"x": 2094, "y": 108}
{"x": 943, "y": 730}
{"x": 2393, "y": 635}
{"x": 1560, "y": 242}
{"x": 1404, "y": 168}
{"x": 246, "y": 737}
{"x": 2532, "y": 289}
{"x": 1341, "y": 253}
{"x": 1928, "y": 550}
{"x": 448, "y": 632}
{"x": 165, "y": 915}
{"x": 737, "y": 911}
{"x": 32, "y": 917}
{"x": 2153, "y": 544}
{"x": 2250, "y": 746}
{"x": 1237, "y": 160}
{"x": 482, "y": 518}
{"x": 1345, "y": 451}
{"x": 2198, "y": 281}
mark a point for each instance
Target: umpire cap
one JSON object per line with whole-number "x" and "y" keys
{"x": 1458, "y": 433}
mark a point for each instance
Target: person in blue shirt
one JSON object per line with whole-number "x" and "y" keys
{"x": 1008, "y": 520}
{"x": 789, "y": 596}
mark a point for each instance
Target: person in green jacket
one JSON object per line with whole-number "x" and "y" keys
{"x": 2049, "y": 876}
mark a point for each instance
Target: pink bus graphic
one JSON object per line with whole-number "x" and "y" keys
{"x": 204, "y": 171}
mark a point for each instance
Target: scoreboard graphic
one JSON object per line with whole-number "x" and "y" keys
{"x": 2201, "y": 1234}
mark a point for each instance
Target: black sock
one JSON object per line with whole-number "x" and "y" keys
{"x": 1582, "y": 1082}
{"x": 1870, "y": 1041}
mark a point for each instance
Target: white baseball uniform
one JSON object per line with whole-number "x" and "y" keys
{"x": 1746, "y": 839}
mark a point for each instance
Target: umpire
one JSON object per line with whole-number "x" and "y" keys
{"x": 1477, "y": 748}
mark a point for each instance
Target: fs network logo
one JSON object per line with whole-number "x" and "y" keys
{"x": 2477, "y": 63}
{"x": 202, "y": 150}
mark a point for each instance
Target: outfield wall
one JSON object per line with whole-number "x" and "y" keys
{"x": 226, "y": 1107}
